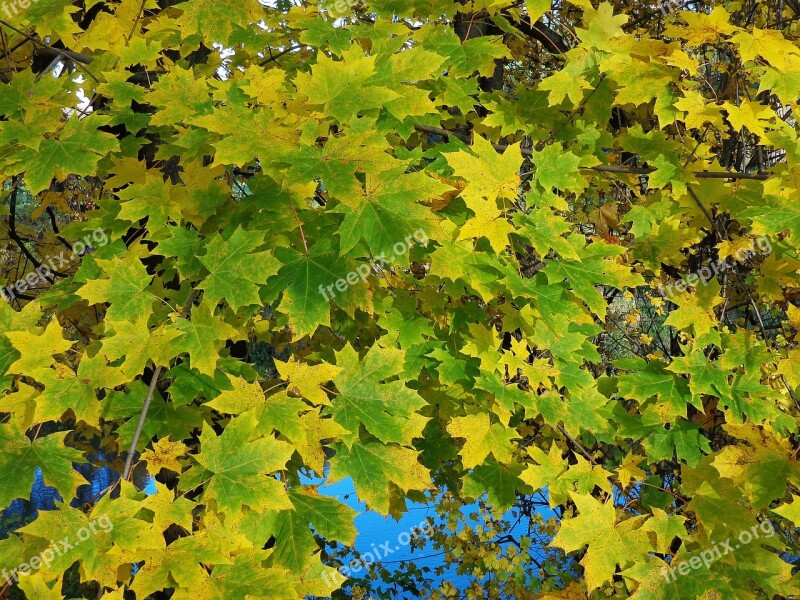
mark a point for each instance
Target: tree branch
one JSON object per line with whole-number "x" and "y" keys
{"x": 12, "y": 233}
{"x": 599, "y": 168}
{"x": 148, "y": 399}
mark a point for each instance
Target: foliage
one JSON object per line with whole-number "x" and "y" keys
{"x": 456, "y": 223}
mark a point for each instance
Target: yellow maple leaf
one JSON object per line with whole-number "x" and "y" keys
{"x": 767, "y": 43}
{"x": 307, "y": 380}
{"x": 241, "y": 398}
{"x": 629, "y": 469}
{"x": 164, "y": 454}
{"x": 491, "y": 175}
{"x": 37, "y": 349}
{"x": 486, "y": 223}
{"x": 793, "y": 312}
{"x": 481, "y": 439}
{"x": 703, "y": 28}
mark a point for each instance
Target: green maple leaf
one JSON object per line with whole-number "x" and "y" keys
{"x": 361, "y": 150}
{"x": 236, "y": 271}
{"x": 239, "y": 467}
{"x": 595, "y": 266}
{"x": 248, "y": 577}
{"x": 683, "y": 440}
{"x": 775, "y": 216}
{"x": 164, "y": 419}
{"x": 465, "y": 57}
{"x": 706, "y": 377}
{"x": 139, "y": 344}
{"x": 378, "y": 471}
{"x": 781, "y": 83}
{"x": 653, "y": 379}
{"x": 556, "y": 168}
{"x": 330, "y": 518}
{"x": 308, "y": 283}
{"x": 203, "y": 337}
{"x": 126, "y": 288}
{"x": 543, "y": 230}
{"x": 500, "y": 483}
{"x": 388, "y": 212}
{"x": 370, "y": 396}
{"x": 75, "y": 150}
{"x": 52, "y": 17}
{"x": 64, "y": 391}
{"x": 21, "y": 458}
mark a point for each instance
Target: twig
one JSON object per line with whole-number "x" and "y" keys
{"x": 705, "y": 212}
{"x": 577, "y": 444}
{"x": 599, "y": 168}
{"x": 12, "y": 232}
{"x": 279, "y": 54}
{"x": 148, "y": 399}
{"x": 79, "y": 59}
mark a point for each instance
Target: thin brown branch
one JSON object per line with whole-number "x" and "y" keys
{"x": 136, "y": 434}
{"x": 599, "y": 168}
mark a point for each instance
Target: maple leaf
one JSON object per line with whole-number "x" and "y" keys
{"x": 30, "y": 360}
{"x": 329, "y": 517}
{"x": 654, "y": 379}
{"x": 308, "y": 283}
{"x": 564, "y": 85}
{"x": 343, "y": 88}
{"x": 608, "y": 547}
{"x": 369, "y": 396}
{"x": 490, "y": 175}
{"x": 481, "y": 439}
{"x": 235, "y": 270}
{"x": 696, "y": 311}
{"x": 76, "y": 149}
{"x": 379, "y": 470}
{"x": 487, "y": 223}
{"x": 239, "y": 467}
{"x": 125, "y": 288}
{"x": 203, "y": 337}
{"x": 388, "y": 212}
{"x": 164, "y": 455}
{"x": 703, "y": 27}
{"x": 307, "y": 380}
{"x": 558, "y": 169}
{"x": 603, "y": 26}
{"x": 241, "y": 398}
{"x": 22, "y": 458}
{"x": 138, "y": 344}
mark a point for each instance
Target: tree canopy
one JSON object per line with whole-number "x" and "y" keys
{"x": 523, "y": 253}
